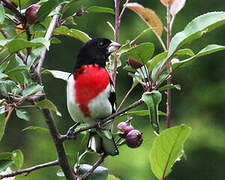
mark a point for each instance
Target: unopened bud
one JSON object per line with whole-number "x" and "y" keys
{"x": 134, "y": 139}
{"x": 125, "y": 128}
{"x": 31, "y": 13}
{"x": 134, "y": 64}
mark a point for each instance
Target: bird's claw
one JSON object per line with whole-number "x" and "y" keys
{"x": 70, "y": 132}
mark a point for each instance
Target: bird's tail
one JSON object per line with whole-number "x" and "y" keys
{"x": 102, "y": 141}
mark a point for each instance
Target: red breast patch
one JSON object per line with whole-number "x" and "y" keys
{"x": 90, "y": 81}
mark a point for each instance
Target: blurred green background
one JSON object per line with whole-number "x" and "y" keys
{"x": 200, "y": 103}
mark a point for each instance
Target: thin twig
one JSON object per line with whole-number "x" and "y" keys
{"x": 124, "y": 7}
{"x": 26, "y": 171}
{"x": 98, "y": 162}
{"x": 125, "y": 97}
{"x": 48, "y": 35}
{"x": 108, "y": 119}
{"x": 12, "y": 8}
{"x": 169, "y": 70}
{"x": 116, "y": 37}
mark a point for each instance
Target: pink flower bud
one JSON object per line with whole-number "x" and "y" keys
{"x": 125, "y": 128}
{"x": 134, "y": 139}
{"x": 134, "y": 64}
{"x": 31, "y": 13}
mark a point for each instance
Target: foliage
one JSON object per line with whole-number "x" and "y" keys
{"x": 22, "y": 52}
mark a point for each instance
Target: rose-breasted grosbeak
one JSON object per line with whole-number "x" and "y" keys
{"x": 90, "y": 93}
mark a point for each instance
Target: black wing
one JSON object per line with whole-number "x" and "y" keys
{"x": 112, "y": 97}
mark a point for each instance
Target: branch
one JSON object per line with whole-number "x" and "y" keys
{"x": 89, "y": 173}
{"x": 169, "y": 70}
{"x": 48, "y": 35}
{"x": 12, "y": 8}
{"x": 30, "y": 169}
{"x": 116, "y": 37}
{"x": 63, "y": 162}
{"x": 108, "y": 119}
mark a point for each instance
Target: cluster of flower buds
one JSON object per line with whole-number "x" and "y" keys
{"x": 31, "y": 13}
{"x": 133, "y": 138}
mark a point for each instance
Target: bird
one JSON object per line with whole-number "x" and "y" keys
{"x": 90, "y": 92}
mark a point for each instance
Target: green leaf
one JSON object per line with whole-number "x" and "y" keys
{"x": 34, "y": 55}
{"x": 2, "y": 14}
{"x": 36, "y": 128}
{"x": 170, "y": 86}
{"x": 5, "y": 156}
{"x": 47, "y": 104}
{"x": 41, "y": 42}
{"x": 18, "y": 159}
{"x": 21, "y": 3}
{"x": 155, "y": 60}
{"x": 18, "y": 44}
{"x": 3, "y": 66}
{"x": 98, "y": 9}
{"x": 212, "y": 48}
{"x": 38, "y": 28}
{"x": 100, "y": 173}
{"x": 2, "y": 125}
{"x": 141, "y": 53}
{"x": 4, "y": 164}
{"x": 2, "y": 75}
{"x": 19, "y": 61}
{"x": 22, "y": 114}
{"x": 143, "y": 113}
{"x": 155, "y": 63}
{"x": 152, "y": 100}
{"x": 47, "y": 7}
{"x": 167, "y": 148}
{"x": 74, "y": 33}
{"x": 7, "y": 86}
{"x": 55, "y": 40}
{"x": 196, "y": 29}
{"x": 59, "y": 74}
{"x": 17, "y": 74}
{"x": 184, "y": 52}
{"x": 112, "y": 177}
{"x": 34, "y": 88}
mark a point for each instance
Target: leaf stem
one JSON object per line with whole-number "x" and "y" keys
{"x": 125, "y": 97}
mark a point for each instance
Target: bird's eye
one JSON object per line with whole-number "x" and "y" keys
{"x": 101, "y": 44}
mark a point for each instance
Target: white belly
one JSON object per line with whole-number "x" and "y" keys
{"x": 99, "y": 108}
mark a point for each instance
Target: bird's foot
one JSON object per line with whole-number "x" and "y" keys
{"x": 70, "y": 132}
{"x": 100, "y": 125}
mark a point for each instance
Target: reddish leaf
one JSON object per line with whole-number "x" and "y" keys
{"x": 149, "y": 16}
{"x": 176, "y": 6}
{"x": 166, "y": 2}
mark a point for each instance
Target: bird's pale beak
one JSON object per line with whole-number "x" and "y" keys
{"x": 113, "y": 47}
